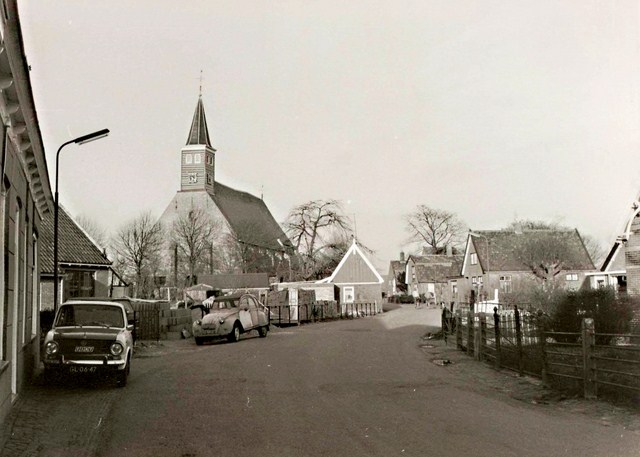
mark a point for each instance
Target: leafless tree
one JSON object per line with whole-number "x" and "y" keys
{"x": 551, "y": 248}
{"x": 313, "y": 227}
{"x": 595, "y": 250}
{"x": 137, "y": 245}
{"x": 194, "y": 233}
{"x": 435, "y": 227}
{"x": 97, "y": 233}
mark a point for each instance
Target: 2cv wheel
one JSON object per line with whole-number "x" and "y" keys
{"x": 235, "y": 333}
{"x": 262, "y": 331}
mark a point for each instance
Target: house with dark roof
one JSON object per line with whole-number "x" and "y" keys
{"x": 505, "y": 261}
{"x": 430, "y": 276}
{"x": 249, "y": 239}
{"x": 395, "y": 282}
{"x": 85, "y": 270}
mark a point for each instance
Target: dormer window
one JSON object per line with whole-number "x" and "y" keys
{"x": 197, "y": 158}
{"x": 188, "y": 158}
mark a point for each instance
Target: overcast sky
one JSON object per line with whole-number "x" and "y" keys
{"x": 490, "y": 109}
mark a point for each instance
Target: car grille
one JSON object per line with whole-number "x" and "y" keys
{"x": 99, "y": 346}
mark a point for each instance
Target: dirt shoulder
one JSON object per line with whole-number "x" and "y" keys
{"x": 480, "y": 376}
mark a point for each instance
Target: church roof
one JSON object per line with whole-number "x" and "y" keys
{"x": 250, "y": 218}
{"x": 199, "y": 133}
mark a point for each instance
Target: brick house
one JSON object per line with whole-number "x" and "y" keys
{"x": 85, "y": 270}
{"x": 26, "y": 198}
{"x": 493, "y": 263}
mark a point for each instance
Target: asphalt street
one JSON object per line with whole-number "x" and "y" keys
{"x": 348, "y": 388}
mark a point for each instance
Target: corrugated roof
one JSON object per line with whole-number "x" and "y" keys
{"x": 502, "y": 252}
{"x": 74, "y": 246}
{"x": 250, "y": 218}
{"x": 236, "y": 281}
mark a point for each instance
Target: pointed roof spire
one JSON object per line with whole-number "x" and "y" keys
{"x": 199, "y": 133}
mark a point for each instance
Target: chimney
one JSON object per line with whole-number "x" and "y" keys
{"x": 401, "y": 256}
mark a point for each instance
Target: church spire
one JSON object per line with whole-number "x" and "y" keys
{"x": 199, "y": 133}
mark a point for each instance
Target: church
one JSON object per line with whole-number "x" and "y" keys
{"x": 245, "y": 237}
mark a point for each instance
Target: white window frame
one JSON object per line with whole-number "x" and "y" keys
{"x": 572, "y": 277}
{"x": 188, "y": 159}
{"x": 197, "y": 158}
{"x": 474, "y": 258}
{"x": 349, "y": 291}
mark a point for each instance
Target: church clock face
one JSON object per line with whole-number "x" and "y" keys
{"x": 193, "y": 178}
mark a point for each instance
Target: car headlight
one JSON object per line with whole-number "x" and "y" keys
{"x": 51, "y": 348}
{"x": 222, "y": 320}
{"x": 198, "y": 322}
{"x": 116, "y": 349}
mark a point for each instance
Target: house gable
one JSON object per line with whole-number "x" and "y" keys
{"x": 355, "y": 268}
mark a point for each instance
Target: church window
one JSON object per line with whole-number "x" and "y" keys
{"x": 197, "y": 158}
{"x": 187, "y": 158}
{"x": 209, "y": 159}
{"x": 209, "y": 179}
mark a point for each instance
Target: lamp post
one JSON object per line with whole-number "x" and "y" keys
{"x": 80, "y": 140}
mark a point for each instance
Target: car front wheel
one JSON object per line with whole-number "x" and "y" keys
{"x": 235, "y": 333}
{"x": 122, "y": 375}
{"x": 199, "y": 341}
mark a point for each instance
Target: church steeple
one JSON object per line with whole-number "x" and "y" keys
{"x": 197, "y": 169}
{"x": 199, "y": 133}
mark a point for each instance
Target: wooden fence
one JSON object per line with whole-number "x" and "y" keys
{"x": 319, "y": 311}
{"x": 596, "y": 363}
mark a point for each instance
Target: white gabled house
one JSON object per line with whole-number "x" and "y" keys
{"x": 357, "y": 278}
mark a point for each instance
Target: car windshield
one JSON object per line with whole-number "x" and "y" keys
{"x": 90, "y": 315}
{"x": 225, "y": 304}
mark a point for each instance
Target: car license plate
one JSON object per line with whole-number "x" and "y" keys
{"x": 75, "y": 369}
{"x": 84, "y": 348}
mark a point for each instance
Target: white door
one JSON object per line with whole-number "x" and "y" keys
{"x": 245, "y": 314}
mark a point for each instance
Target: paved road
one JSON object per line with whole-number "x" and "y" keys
{"x": 347, "y": 388}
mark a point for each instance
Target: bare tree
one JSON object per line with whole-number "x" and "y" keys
{"x": 595, "y": 250}
{"x": 313, "y": 227}
{"x": 138, "y": 245}
{"x": 553, "y": 247}
{"x": 194, "y": 233}
{"x": 97, "y": 233}
{"x": 434, "y": 227}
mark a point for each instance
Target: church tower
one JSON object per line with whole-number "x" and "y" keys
{"x": 198, "y": 158}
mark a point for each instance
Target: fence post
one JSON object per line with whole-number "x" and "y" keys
{"x": 469, "y": 331}
{"x": 477, "y": 339}
{"x": 519, "y": 341}
{"x": 483, "y": 335}
{"x": 588, "y": 341}
{"x": 542, "y": 338}
{"x": 459, "y": 329}
{"x": 496, "y": 323}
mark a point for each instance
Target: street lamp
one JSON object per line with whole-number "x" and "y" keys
{"x": 80, "y": 140}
